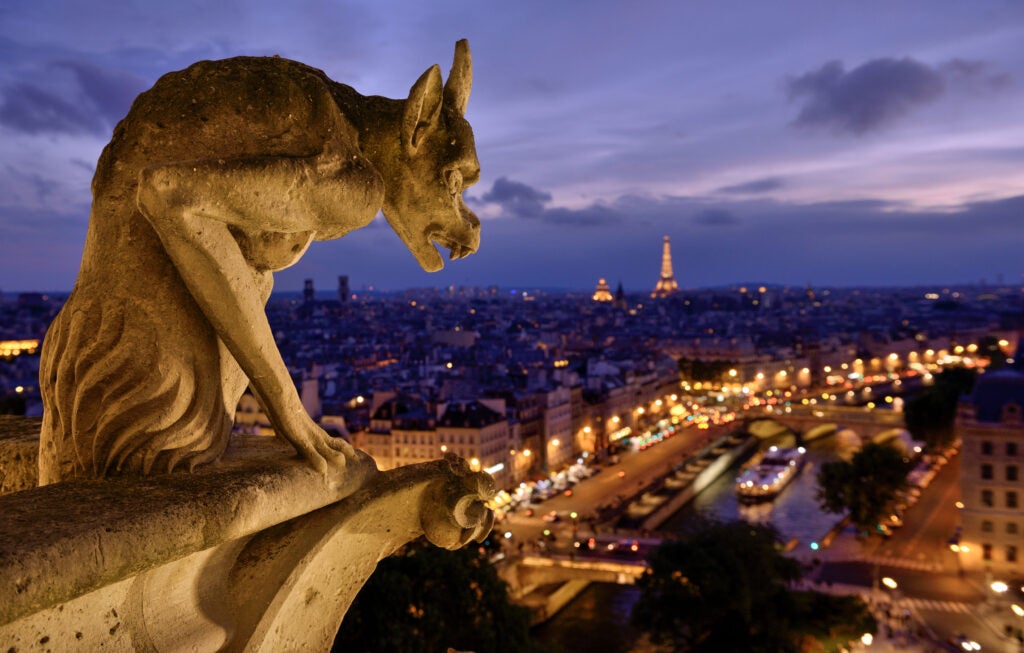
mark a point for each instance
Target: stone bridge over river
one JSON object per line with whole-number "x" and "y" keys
{"x": 813, "y": 422}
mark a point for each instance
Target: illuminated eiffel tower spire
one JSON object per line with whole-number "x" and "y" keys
{"x": 667, "y": 283}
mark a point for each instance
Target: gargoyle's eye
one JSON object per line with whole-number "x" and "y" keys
{"x": 453, "y": 178}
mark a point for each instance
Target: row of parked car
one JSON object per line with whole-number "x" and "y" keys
{"x": 918, "y": 479}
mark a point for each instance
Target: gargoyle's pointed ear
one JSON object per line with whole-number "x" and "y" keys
{"x": 460, "y": 79}
{"x": 422, "y": 109}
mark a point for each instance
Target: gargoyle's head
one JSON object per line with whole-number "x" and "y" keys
{"x": 435, "y": 163}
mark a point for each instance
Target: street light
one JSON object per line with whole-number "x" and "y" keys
{"x": 890, "y": 583}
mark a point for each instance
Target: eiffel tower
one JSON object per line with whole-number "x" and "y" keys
{"x": 667, "y": 283}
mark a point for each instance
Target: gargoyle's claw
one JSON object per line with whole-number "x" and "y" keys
{"x": 457, "y": 512}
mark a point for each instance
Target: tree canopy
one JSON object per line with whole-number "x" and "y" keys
{"x": 866, "y": 486}
{"x": 721, "y": 587}
{"x": 429, "y": 599}
{"x": 695, "y": 369}
{"x": 725, "y": 586}
{"x": 931, "y": 414}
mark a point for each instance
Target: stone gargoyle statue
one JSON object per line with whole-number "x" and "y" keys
{"x": 219, "y": 175}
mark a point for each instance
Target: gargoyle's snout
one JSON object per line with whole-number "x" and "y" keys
{"x": 469, "y": 236}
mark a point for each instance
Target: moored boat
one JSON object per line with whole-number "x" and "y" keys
{"x": 764, "y": 480}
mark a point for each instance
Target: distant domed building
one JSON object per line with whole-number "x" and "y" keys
{"x": 990, "y": 423}
{"x": 602, "y": 293}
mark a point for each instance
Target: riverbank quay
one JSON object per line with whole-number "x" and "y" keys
{"x": 633, "y": 518}
{"x": 652, "y": 505}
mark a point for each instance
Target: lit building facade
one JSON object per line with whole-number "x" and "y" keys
{"x": 479, "y": 432}
{"x": 991, "y": 427}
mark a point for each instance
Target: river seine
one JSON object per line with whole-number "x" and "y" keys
{"x": 597, "y": 621}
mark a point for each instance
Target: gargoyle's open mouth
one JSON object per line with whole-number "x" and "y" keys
{"x": 456, "y": 248}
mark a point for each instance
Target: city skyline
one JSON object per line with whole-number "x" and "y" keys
{"x": 792, "y": 144}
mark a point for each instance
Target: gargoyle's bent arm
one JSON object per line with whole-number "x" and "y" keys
{"x": 194, "y": 206}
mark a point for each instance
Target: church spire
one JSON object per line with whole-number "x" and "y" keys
{"x": 667, "y": 283}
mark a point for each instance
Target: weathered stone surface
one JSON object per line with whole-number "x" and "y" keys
{"x": 253, "y": 554}
{"x": 19, "y": 449}
{"x": 219, "y": 175}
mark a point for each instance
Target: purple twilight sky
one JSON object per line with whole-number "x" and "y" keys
{"x": 875, "y": 143}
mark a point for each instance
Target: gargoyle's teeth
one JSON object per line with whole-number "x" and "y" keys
{"x": 454, "y": 253}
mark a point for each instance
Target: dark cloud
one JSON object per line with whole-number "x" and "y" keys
{"x": 755, "y": 186}
{"x": 715, "y": 217}
{"x": 33, "y": 110}
{"x": 41, "y": 189}
{"x": 975, "y": 75}
{"x": 516, "y": 198}
{"x": 519, "y": 200}
{"x": 866, "y": 98}
{"x": 110, "y": 92}
{"x": 71, "y": 97}
{"x": 590, "y": 216}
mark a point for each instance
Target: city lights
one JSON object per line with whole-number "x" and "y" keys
{"x": 11, "y": 348}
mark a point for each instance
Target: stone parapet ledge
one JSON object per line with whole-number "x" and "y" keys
{"x": 256, "y": 553}
{"x": 19, "y": 453}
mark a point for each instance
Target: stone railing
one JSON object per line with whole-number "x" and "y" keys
{"x": 255, "y": 553}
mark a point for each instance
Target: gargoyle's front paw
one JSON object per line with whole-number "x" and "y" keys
{"x": 457, "y": 512}
{"x": 335, "y": 459}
